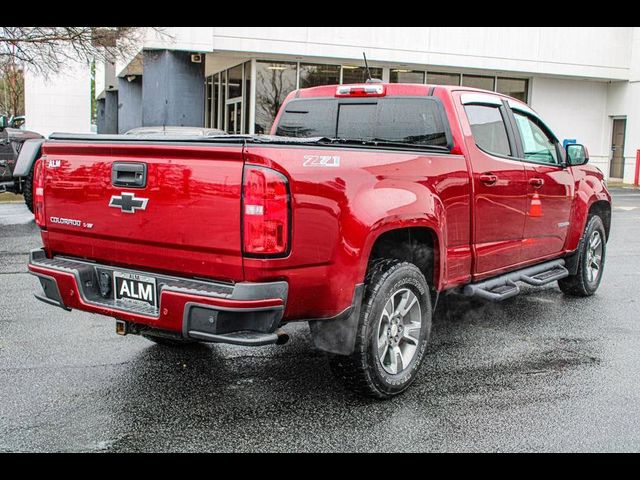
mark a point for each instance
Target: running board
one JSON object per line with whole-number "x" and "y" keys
{"x": 504, "y": 286}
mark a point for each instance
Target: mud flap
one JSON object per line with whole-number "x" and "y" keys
{"x": 338, "y": 334}
{"x": 572, "y": 261}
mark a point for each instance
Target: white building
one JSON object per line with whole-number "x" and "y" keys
{"x": 585, "y": 82}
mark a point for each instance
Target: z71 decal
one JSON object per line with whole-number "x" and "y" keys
{"x": 321, "y": 161}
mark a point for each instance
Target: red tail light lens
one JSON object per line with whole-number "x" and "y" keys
{"x": 265, "y": 214}
{"x": 38, "y": 192}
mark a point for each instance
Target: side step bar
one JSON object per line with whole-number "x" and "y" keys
{"x": 504, "y": 286}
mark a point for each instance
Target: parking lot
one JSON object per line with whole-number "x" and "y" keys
{"x": 539, "y": 372}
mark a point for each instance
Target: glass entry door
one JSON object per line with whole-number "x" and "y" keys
{"x": 233, "y": 116}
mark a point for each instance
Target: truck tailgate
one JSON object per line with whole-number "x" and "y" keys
{"x": 185, "y": 219}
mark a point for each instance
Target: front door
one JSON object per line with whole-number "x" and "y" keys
{"x": 550, "y": 189}
{"x": 499, "y": 184}
{"x": 617, "y": 148}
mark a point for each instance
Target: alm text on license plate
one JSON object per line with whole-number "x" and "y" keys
{"x": 135, "y": 288}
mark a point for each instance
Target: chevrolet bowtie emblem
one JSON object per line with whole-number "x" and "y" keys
{"x": 127, "y": 202}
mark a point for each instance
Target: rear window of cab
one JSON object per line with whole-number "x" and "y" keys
{"x": 411, "y": 120}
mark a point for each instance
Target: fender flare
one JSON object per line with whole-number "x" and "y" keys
{"x": 387, "y": 224}
{"x": 337, "y": 335}
{"x": 29, "y": 152}
{"x": 583, "y": 203}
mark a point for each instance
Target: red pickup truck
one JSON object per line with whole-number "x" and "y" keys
{"x": 363, "y": 205}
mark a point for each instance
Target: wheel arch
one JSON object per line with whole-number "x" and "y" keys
{"x": 30, "y": 151}
{"x": 602, "y": 208}
{"x": 417, "y": 242}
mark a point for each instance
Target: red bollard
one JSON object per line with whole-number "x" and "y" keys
{"x": 637, "y": 178}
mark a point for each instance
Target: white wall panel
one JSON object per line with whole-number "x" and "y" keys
{"x": 573, "y": 51}
{"x": 60, "y": 103}
{"x": 575, "y": 109}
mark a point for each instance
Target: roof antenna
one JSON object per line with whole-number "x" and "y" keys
{"x": 369, "y": 79}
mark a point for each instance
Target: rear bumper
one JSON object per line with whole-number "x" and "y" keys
{"x": 190, "y": 308}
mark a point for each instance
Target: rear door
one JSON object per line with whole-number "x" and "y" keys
{"x": 550, "y": 185}
{"x": 499, "y": 182}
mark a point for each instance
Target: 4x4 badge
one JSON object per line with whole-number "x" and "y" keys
{"x": 127, "y": 202}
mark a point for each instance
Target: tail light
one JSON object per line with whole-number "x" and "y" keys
{"x": 38, "y": 192}
{"x": 265, "y": 219}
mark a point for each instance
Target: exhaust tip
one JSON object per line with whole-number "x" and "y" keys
{"x": 282, "y": 337}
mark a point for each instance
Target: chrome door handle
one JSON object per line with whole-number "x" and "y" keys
{"x": 536, "y": 182}
{"x": 488, "y": 178}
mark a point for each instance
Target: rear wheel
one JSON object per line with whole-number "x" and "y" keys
{"x": 591, "y": 263}
{"x": 27, "y": 190}
{"x": 393, "y": 331}
{"x": 170, "y": 342}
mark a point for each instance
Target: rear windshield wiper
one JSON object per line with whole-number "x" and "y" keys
{"x": 381, "y": 142}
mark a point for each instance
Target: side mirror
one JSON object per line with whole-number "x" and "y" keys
{"x": 576, "y": 154}
{"x": 4, "y": 122}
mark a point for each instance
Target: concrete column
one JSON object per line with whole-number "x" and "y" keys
{"x": 100, "y": 115}
{"x": 172, "y": 89}
{"x": 110, "y": 124}
{"x": 129, "y": 103}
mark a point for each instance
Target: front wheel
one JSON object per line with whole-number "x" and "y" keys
{"x": 591, "y": 262}
{"x": 393, "y": 331}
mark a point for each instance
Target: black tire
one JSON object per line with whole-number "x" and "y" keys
{"x": 580, "y": 284}
{"x": 170, "y": 342}
{"x": 363, "y": 371}
{"x": 27, "y": 190}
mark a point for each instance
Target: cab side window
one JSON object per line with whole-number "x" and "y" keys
{"x": 537, "y": 144}
{"x": 488, "y": 128}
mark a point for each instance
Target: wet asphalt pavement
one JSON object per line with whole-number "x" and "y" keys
{"x": 540, "y": 372}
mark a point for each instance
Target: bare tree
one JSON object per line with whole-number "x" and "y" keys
{"x": 11, "y": 88}
{"x": 47, "y": 49}
{"x": 273, "y": 87}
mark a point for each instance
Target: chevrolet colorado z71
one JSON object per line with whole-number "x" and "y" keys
{"x": 363, "y": 205}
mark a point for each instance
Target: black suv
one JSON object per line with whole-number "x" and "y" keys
{"x": 11, "y": 141}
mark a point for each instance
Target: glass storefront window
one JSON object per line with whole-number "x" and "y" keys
{"x": 235, "y": 81}
{"x": 313, "y": 75}
{"x": 216, "y": 101}
{"x": 441, "y": 78}
{"x": 352, "y": 74}
{"x": 208, "y": 101}
{"x": 211, "y": 107}
{"x": 478, "y": 81}
{"x": 397, "y": 75}
{"x": 223, "y": 99}
{"x": 247, "y": 95}
{"x": 514, "y": 87}
{"x": 274, "y": 81}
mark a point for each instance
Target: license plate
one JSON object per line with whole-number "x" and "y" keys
{"x": 135, "y": 288}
